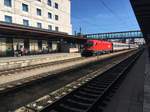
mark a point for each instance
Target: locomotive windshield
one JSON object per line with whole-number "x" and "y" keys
{"x": 89, "y": 44}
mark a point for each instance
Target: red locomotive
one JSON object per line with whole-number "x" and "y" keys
{"x": 93, "y": 47}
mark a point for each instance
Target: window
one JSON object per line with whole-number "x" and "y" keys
{"x": 8, "y": 3}
{"x": 49, "y": 15}
{"x": 89, "y": 44}
{"x": 25, "y": 7}
{"x": 49, "y": 2}
{"x": 56, "y": 17}
{"x": 8, "y": 19}
{"x": 50, "y": 27}
{"x": 56, "y": 29}
{"x": 39, "y": 12}
{"x": 39, "y": 25}
{"x": 25, "y": 22}
{"x": 56, "y": 5}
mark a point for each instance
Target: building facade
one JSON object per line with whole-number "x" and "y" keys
{"x": 35, "y": 27}
{"x": 53, "y": 15}
{"x": 18, "y": 39}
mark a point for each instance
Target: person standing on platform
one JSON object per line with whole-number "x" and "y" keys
{"x": 21, "y": 50}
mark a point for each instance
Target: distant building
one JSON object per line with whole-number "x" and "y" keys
{"x": 140, "y": 41}
{"x": 47, "y": 14}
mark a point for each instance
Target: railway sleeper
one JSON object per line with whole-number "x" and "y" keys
{"x": 99, "y": 85}
{"x": 102, "y": 82}
{"x": 95, "y": 88}
{"x": 74, "y": 104}
{"x": 92, "y": 90}
{"x": 86, "y": 95}
{"x": 89, "y": 94}
{"x": 84, "y": 98}
{"x": 108, "y": 76}
{"x": 69, "y": 108}
{"x": 79, "y": 102}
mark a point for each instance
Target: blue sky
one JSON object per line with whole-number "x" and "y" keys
{"x": 95, "y": 16}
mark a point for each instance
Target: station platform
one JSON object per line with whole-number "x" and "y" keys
{"x": 146, "y": 107}
{"x": 7, "y": 63}
{"x": 133, "y": 94}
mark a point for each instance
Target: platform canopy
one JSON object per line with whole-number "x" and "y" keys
{"x": 19, "y": 31}
{"x": 142, "y": 12}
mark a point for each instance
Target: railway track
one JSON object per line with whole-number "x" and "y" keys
{"x": 4, "y": 87}
{"x": 20, "y": 94}
{"x": 31, "y": 67}
{"x": 93, "y": 95}
{"x": 51, "y": 101}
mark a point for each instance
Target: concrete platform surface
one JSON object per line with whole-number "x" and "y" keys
{"x": 16, "y": 62}
{"x": 130, "y": 95}
{"x": 146, "y": 107}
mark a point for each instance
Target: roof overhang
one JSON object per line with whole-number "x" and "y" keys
{"x": 34, "y": 33}
{"x": 142, "y": 12}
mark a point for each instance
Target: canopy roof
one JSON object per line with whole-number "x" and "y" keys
{"x": 16, "y": 30}
{"x": 142, "y": 12}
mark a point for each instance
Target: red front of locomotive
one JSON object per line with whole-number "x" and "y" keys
{"x": 97, "y": 47}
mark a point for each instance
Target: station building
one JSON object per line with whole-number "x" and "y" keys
{"x": 47, "y": 14}
{"x": 37, "y": 26}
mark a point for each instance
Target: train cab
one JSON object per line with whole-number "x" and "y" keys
{"x": 88, "y": 48}
{"x": 94, "y": 47}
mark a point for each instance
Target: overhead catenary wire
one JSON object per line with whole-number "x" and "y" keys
{"x": 112, "y": 12}
{"x": 122, "y": 24}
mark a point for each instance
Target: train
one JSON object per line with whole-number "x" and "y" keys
{"x": 97, "y": 47}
